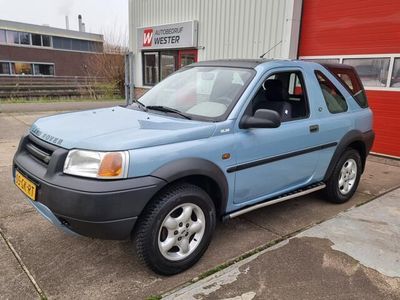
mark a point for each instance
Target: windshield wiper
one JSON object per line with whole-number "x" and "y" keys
{"x": 168, "y": 109}
{"x": 141, "y": 105}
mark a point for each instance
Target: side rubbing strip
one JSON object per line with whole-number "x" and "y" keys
{"x": 278, "y": 157}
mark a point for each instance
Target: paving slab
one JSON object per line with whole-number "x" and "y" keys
{"x": 370, "y": 234}
{"x": 11, "y": 128}
{"x": 352, "y": 256}
{"x": 287, "y": 217}
{"x": 78, "y": 267}
{"x": 12, "y": 202}
{"x": 379, "y": 178}
{"x": 7, "y": 151}
{"x": 14, "y": 283}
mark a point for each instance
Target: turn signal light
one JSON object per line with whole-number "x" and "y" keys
{"x": 111, "y": 165}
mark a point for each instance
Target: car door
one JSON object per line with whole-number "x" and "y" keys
{"x": 271, "y": 161}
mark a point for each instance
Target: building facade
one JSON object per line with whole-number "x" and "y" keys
{"x": 168, "y": 34}
{"x": 32, "y": 50}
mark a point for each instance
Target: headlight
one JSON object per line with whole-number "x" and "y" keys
{"x": 102, "y": 165}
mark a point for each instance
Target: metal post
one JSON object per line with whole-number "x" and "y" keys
{"x": 127, "y": 78}
{"x": 131, "y": 78}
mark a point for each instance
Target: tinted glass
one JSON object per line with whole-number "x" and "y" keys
{"x": 351, "y": 81}
{"x": 46, "y": 40}
{"x": 23, "y": 68}
{"x": 36, "y": 40}
{"x": 43, "y": 69}
{"x": 79, "y": 45}
{"x": 12, "y": 37}
{"x": 2, "y": 36}
{"x": 372, "y": 71}
{"x": 333, "y": 98}
{"x": 396, "y": 73}
{"x": 207, "y": 92}
{"x": 62, "y": 43}
{"x": 4, "y": 68}
{"x": 24, "y": 38}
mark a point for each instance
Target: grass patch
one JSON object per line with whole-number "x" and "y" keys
{"x": 156, "y": 297}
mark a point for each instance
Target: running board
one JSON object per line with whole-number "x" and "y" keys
{"x": 297, "y": 193}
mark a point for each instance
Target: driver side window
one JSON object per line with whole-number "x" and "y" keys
{"x": 285, "y": 93}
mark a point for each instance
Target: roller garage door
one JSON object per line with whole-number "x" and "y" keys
{"x": 365, "y": 34}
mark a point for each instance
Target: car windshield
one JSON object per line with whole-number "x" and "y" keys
{"x": 203, "y": 93}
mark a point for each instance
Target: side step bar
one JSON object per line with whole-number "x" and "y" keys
{"x": 297, "y": 193}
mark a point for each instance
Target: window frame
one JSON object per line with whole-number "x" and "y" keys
{"x": 348, "y": 89}
{"x": 270, "y": 74}
{"x": 12, "y": 73}
{"x": 143, "y": 67}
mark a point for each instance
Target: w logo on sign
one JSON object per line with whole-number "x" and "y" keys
{"x": 148, "y": 37}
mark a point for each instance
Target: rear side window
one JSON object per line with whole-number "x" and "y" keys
{"x": 352, "y": 83}
{"x": 334, "y": 100}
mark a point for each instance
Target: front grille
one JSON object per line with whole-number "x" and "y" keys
{"x": 39, "y": 149}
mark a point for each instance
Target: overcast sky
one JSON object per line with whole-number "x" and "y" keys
{"x": 109, "y": 17}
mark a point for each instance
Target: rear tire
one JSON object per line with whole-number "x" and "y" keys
{"x": 343, "y": 182}
{"x": 175, "y": 230}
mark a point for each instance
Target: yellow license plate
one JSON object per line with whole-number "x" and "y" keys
{"x": 25, "y": 185}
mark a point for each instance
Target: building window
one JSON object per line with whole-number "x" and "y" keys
{"x": 12, "y": 37}
{"x": 36, "y": 40}
{"x": 372, "y": 71}
{"x": 335, "y": 101}
{"x": 150, "y": 67}
{"x": 24, "y": 38}
{"x": 396, "y": 73}
{"x": 157, "y": 65}
{"x": 168, "y": 63}
{"x": 46, "y": 41}
{"x": 5, "y": 68}
{"x": 2, "y": 36}
{"x": 43, "y": 69}
{"x": 76, "y": 45}
{"x": 22, "y": 68}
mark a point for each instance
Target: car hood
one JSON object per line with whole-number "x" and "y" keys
{"x": 117, "y": 128}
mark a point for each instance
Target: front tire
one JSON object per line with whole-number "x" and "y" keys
{"x": 176, "y": 229}
{"x": 343, "y": 182}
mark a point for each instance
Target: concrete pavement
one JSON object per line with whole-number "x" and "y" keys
{"x": 77, "y": 267}
{"x": 354, "y": 255}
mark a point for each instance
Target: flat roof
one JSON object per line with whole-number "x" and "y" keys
{"x": 47, "y": 30}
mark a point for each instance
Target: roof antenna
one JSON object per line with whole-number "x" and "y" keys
{"x": 270, "y": 49}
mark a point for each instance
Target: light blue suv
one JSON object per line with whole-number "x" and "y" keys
{"x": 212, "y": 141}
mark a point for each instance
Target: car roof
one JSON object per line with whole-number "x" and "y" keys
{"x": 234, "y": 63}
{"x": 336, "y": 66}
{"x": 253, "y": 63}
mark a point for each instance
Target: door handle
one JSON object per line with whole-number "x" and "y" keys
{"x": 314, "y": 128}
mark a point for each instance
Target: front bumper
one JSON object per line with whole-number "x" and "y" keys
{"x": 90, "y": 207}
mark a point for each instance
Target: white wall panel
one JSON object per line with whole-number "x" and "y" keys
{"x": 227, "y": 28}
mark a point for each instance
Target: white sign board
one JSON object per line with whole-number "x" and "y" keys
{"x": 177, "y": 35}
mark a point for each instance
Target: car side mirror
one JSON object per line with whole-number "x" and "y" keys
{"x": 263, "y": 118}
